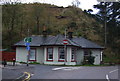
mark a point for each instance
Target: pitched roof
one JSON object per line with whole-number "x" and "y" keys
{"x": 58, "y": 40}
{"x": 84, "y": 43}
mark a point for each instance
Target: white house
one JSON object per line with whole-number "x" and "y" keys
{"x": 50, "y": 50}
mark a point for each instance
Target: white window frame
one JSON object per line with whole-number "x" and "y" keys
{"x": 31, "y": 54}
{"x": 60, "y": 53}
{"x": 73, "y": 53}
{"x": 49, "y": 54}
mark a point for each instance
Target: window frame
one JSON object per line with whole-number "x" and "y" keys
{"x": 61, "y": 60}
{"x": 48, "y": 55}
{"x": 73, "y": 60}
{"x": 88, "y": 52}
{"x": 35, "y": 54}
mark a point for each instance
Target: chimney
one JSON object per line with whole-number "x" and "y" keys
{"x": 44, "y": 31}
{"x": 70, "y": 32}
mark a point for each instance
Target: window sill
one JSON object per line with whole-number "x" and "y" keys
{"x": 73, "y": 61}
{"x": 61, "y": 60}
{"x": 32, "y": 60}
{"x": 49, "y": 60}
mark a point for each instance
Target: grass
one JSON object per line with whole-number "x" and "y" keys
{"x": 23, "y": 62}
{"x": 30, "y": 63}
{"x": 111, "y": 60}
{"x": 34, "y": 63}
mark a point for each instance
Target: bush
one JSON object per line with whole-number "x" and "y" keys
{"x": 91, "y": 60}
{"x": 34, "y": 63}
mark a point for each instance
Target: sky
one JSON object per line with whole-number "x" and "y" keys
{"x": 84, "y": 4}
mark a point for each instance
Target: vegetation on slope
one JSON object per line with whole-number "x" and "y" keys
{"x": 18, "y": 18}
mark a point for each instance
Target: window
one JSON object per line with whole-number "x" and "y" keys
{"x": 61, "y": 54}
{"x": 87, "y": 52}
{"x": 50, "y": 53}
{"x": 73, "y": 54}
{"x": 32, "y": 55}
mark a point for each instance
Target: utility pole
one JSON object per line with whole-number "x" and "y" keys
{"x": 105, "y": 24}
{"x": 28, "y": 51}
{"x": 65, "y": 49}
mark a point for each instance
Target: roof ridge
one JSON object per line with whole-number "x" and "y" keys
{"x": 73, "y": 42}
{"x": 57, "y": 39}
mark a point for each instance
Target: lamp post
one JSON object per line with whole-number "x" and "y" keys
{"x": 27, "y": 41}
{"x": 65, "y": 42}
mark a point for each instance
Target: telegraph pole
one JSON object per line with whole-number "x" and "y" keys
{"x": 28, "y": 52}
{"x": 65, "y": 42}
{"x": 105, "y": 24}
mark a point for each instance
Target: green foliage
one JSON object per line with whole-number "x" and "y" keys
{"x": 23, "y": 62}
{"x": 18, "y": 18}
{"x": 91, "y": 60}
{"x": 34, "y": 63}
{"x": 110, "y": 12}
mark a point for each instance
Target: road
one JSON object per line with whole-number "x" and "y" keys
{"x": 83, "y": 72}
{"x": 13, "y": 72}
{"x": 59, "y": 72}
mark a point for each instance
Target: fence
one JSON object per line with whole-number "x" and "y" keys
{"x": 8, "y": 56}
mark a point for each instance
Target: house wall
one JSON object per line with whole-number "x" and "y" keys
{"x": 97, "y": 54}
{"x": 21, "y": 54}
{"x": 79, "y": 56}
{"x": 40, "y": 55}
{"x": 56, "y": 57}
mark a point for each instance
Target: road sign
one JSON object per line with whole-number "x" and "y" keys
{"x": 65, "y": 41}
{"x": 27, "y": 44}
{"x": 28, "y": 39}
{"x": 28, "y": 48}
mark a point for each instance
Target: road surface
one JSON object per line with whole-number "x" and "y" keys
{"x": 62, "y": 72}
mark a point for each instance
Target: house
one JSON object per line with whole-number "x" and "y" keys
{"x": 47, "y": 49}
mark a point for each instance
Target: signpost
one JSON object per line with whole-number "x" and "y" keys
{"x": 65, "y": 42}
{"x": 27, "y": 41}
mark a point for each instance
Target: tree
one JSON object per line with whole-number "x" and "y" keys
{"x": 109, "y": 12}
{"x": 90, "y": 10}
{"x": 11, "y": 17}
{"x": 76, "y": 3}
{"x": 37, "y": 14}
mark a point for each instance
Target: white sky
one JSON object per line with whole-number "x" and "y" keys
{"x": 84, "y": 4}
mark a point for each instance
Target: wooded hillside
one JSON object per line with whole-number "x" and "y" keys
{"x": 18, "y": 18}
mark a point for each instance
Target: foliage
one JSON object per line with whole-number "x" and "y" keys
{"x": 23, "y": 62}
{"x": 18, "y": 18}
{"x": 110, "y": 12}
{"x": 91, "y": 59}
{"x": 34, "y": 63}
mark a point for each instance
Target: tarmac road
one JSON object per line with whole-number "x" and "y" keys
{"x": 13, "y": 72}
{"x": 83, "y": 72}
{"x": 60, "y": 72}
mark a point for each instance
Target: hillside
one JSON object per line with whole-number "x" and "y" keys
{"x": 18, "y": 18}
